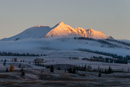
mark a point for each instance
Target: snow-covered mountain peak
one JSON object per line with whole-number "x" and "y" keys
{"x": 61, "y": 30}
{"x": 81, "y": 32}
{"x": 61, "y": 23}
{"x": 91, "y": 30}
{"x": 35, "y": 32}
{"x": 91, "y": 33}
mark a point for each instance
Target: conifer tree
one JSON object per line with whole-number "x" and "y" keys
{"x": 51, "y": 69}
{"x": 7, "y": 70}
{"x": 23, "y": 73}
{"x": 19, "y": 65}
{"x": 4, "y": 62}
{"x": 99, "y": 75}
{"x": 109, "y": 70}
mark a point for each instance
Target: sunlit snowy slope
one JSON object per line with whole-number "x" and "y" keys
{"x": 35, "y": 32}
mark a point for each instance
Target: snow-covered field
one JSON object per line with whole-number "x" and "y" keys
{"x": 34, "y": 76}
{"x": 49, "y": 60}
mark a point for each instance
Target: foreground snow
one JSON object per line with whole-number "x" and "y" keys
{"x": 41, "y": 76}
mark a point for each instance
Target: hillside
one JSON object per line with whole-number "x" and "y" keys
{"x": 46, "y": 45}
{"x": 35, "y": 32}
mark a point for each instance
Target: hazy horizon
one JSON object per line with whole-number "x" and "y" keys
{"x": 112, "y": 17}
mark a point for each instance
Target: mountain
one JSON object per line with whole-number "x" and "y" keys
{"x": 59, "y": 30}
{"x": 63, "y": 30}
{"x": 95, "y": 34}
{"x": 33, "y": 32}
{"x": 90, "y": 33}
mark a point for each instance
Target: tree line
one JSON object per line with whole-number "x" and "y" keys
{"x": 107, "y": 54}
{"x": 17, "y": 54}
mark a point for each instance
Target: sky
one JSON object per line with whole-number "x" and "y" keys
{"x": 112, "y": 17}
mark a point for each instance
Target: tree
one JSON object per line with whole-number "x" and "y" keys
{"x": 51, "y": 69}
{"x": 74, "y": 71}
{"x": 109, "y": 70}
{"x": 4, "y": 62}
{"x": 19, "y": 65}
{"x": 23, "y": 73}
{"x": 99, "y": 75}
{"x": 11, "y": 68}
{"x": 7, "y": 70}
{"x": 69, "y": 70}
{"x": 22, "y": 69}
{"x": 15, "y": 59}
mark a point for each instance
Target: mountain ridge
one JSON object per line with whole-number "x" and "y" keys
{"x": 66, "y": 30}
{"x": 59, "y": 30}
{"x": 33, "y": 32}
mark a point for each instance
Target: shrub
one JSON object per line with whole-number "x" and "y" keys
{"x": 11, "y": 68}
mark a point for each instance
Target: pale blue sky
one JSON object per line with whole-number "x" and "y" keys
{"x": 112, "y": 17}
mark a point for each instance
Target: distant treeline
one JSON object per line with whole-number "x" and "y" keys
{"x": 104, "y": 41}
{"x": 121, "y": 42}
{"x": 107, "y": 54}
{"x": 111, "y": 60}
{"x": 17, "y": 54}
{"x": 84, "y": 38}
